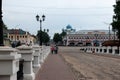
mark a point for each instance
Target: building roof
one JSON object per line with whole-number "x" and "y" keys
{"x": 93, "y": 32}
{"x": 17, "y": 31}
{"x": 68, "y": 27}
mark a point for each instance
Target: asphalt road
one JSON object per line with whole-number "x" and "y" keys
{"x": 88, "y": 66}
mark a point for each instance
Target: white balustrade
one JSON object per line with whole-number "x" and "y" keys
{"x": 99, "y": 49}
{"x": 36, "y": 64}
{"x": 108, "y": 49}
{"x": 27, "y": 54}
{"x": 9, "y": 63}
{"x": 41, "y": 55}
{"x": 102, "y": 49}
{"x": 114, "y": 50}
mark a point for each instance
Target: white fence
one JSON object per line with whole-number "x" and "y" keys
{"x": 33, "y": 57}
{"x": 102, "y": 49}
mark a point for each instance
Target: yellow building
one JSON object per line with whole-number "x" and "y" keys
{"x": 19, "y": 35}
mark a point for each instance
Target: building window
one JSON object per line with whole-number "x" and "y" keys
{"x": 25, "y": 36}
{"x": 11, "y": 37}
{"x": 17, "y": 37}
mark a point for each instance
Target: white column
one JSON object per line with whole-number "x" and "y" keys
{"x": 98, "y": 51}
{"x": 100, "y": 48}
{"x": 36, "y": 64}
{"x": 119, "y": 51}
{"x": 9, "y": 63}
{"x": 108, "y": 49}
{"x": 113, "y": 49}
{"x": 91, "y": 49}
{"x": 46, "y": 51}
{"x": 95, "y": 49}
{"x": 41, "y": 55}
{"x": 87, "y": 49}
{"x": 27, "y": 54}
{"x": 103, "y": 48}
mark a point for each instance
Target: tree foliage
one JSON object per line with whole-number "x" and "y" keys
{"x": 4, "y": 27}
{"x": 116, "y": 19}
{"x": 57, "y": 38}
{"x": 63, "y": 33}
{"x": 45, "y": 36}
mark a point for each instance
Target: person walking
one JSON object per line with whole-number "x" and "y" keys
{"x": 52, "y": 49}
{"x": 56, "y": 49}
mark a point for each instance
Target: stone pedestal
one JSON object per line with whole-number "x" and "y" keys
{"x": 99, "y": 49}
{"x": 108, "y": 48}
{"x": 36, "y": 64}
{"x": 104, "y": 49}
{"x": 9, "y": 63}
{"x": 119, "y": 51}
{"x": 113, "y": 51}
{"x": 27, "y": 54}
{"x": 41, "y": 55}
{"x": 45, "y": 52}
{"x": 95, "y": 49}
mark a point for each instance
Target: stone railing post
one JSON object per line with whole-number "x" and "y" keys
{"x": 9, "y": 63}
{"x": 36, "y": 64}
{"x": 108, "y": 49}
{"x": 95, "y": 49}
{"x": 119, "y": 51}
{"x": 98, "y": 49}
{"x": 41, "y": 60}
{"x": 46, "y": 51}
{"x": 104, "y": 49}
{"x": 27, "y": 55}
{"x": 114, "y": 49}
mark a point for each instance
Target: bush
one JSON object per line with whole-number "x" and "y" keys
{"x": 111, "y": 43}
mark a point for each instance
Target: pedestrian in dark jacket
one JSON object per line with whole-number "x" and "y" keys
{"x": 56, "y": 49}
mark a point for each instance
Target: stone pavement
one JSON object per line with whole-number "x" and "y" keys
{"x": 54, "y": 68}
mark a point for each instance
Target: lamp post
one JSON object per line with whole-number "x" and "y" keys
{"x": 40, "y": 33}
{"x": 96, "y": 35}
{"x": 1, "y": 25}
{"x": 109, "y": 31}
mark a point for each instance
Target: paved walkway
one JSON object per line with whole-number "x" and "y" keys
{"x": 54, "y": 68}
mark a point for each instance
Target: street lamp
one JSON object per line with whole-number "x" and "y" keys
{"x": 109, "y": 31}
{"x": 96, "y": 41}
{"x": 40, "y": 33}
{"x": 46, "y": 30}
{"x": 1, "y": 25}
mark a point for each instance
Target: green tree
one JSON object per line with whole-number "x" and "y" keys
{"x": 57, "y": 38}
{"x": 4, "y": 26}
{"x": 116, "y": 19}
{"x": 5, "y": 31}
{"x": 63, "y": 34}
{"x": 45, "y": 36}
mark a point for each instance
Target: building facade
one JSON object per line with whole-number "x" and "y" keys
{"x": 88, "y": 37}
{"x": 20, "y": 35}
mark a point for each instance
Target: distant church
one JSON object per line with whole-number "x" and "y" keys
{"x": 69, "y": 29}
{"x": 87, "y": 37}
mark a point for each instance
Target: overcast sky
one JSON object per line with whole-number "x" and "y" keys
{"x": 80, "y": 14}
